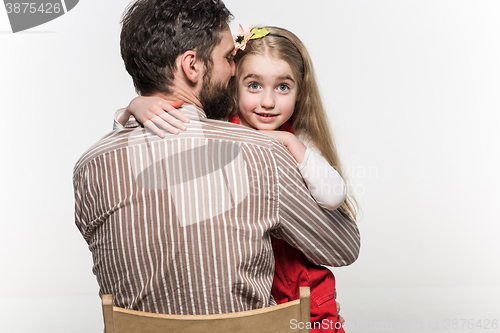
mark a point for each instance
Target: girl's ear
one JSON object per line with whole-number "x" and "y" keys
{"x": 191, "y": 66}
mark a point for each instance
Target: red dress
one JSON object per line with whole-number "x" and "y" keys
{"x": 294, "y": 270}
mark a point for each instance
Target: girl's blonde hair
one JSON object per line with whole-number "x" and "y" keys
{"x": 309, "y": 114}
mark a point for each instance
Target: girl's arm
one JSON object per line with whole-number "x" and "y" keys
{"x": 123, "y": 120}
{"x": 154, "y": 113}
{"x": 324, "y": 182}
{"x": 291, "y": 142}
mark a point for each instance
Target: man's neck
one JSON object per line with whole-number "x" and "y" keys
{"x": 182, "y": 90}
{"x": 180, "y": 96}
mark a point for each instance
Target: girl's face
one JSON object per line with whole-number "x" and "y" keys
{"x": 267, "y": 92}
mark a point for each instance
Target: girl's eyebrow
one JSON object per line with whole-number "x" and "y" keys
{"x": 258, "y": 77}
{"x": 286, "y": 77}
{"x": 253, "y": 76}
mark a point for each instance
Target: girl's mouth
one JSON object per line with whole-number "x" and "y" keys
{"x": 266, "y": 117}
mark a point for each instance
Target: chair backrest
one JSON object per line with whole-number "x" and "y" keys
{"x": 288, "y": 317}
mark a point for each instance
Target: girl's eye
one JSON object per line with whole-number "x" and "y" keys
{"x": 283, "y": 87}
{"x": 254, "y": 86}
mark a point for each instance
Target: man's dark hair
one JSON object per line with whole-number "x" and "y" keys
{"x": 155, "y": 32}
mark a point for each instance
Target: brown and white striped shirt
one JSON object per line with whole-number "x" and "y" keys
{"x": 182, "y": 225}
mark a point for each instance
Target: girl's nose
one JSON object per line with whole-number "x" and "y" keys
{"x": 267, "y": 101}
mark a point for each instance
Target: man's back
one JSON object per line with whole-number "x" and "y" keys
{"x": 182, "y": 225}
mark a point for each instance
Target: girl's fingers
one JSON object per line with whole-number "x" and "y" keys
{"x": 177, "y": 104}
{"x": 172, "y": 120}
{"x": 165, "y": 118}
{"x": 171, "y": 108}
{"x": 149, "y": 124}
{"x": 166, "y": 126}
{"x": 179, "y": 115}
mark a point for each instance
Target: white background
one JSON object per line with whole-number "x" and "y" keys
{"x": 412, "y": 91}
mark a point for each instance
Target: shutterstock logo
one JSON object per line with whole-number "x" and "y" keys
{"x": 25, "y": 15}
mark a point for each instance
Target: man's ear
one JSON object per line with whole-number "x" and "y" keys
{"x": 191, "y": 66}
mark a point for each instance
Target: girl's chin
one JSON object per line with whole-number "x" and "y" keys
{"x": 266, "y": 127}
{"x": 267, "y": 124}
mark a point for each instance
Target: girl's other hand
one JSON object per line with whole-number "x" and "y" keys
{"x": 341, "y": 319}
{"x": 281, "y": 136}
{"x": 290, "y": 141}
{"x": 157, "y": 113}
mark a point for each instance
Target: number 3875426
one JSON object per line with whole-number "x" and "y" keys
{"x": 32, "y": 8}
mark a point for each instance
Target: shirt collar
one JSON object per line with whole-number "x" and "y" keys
{"x": 193, "y": 112}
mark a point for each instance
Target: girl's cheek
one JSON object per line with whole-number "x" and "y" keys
{"x": 290, "y": 107}
{"x": 246, "y": 102}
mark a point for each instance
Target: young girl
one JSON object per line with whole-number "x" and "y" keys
{"x": 275, "y": 89}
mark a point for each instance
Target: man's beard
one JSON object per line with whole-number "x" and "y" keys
{"x": 215, "y": 99}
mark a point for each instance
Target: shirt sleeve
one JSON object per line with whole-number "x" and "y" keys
{"x": 324, "y": 182}
{"x": 325, "y": 237}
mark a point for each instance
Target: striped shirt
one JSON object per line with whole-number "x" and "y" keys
{"x": 182, "y": 225}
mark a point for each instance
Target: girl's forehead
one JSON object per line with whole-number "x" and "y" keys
{"x": 265, "y": 65}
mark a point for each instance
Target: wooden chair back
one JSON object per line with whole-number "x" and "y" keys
{"x": 288, "y": 317}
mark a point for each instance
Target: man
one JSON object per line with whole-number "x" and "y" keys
{"x": 182, "y": 224}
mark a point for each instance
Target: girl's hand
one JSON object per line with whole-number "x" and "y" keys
{"x": 281, "y": 136}
{"x": 157, "y": 113}
{"x": 340, "y": 319}
{"x": 296, "y": 148}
